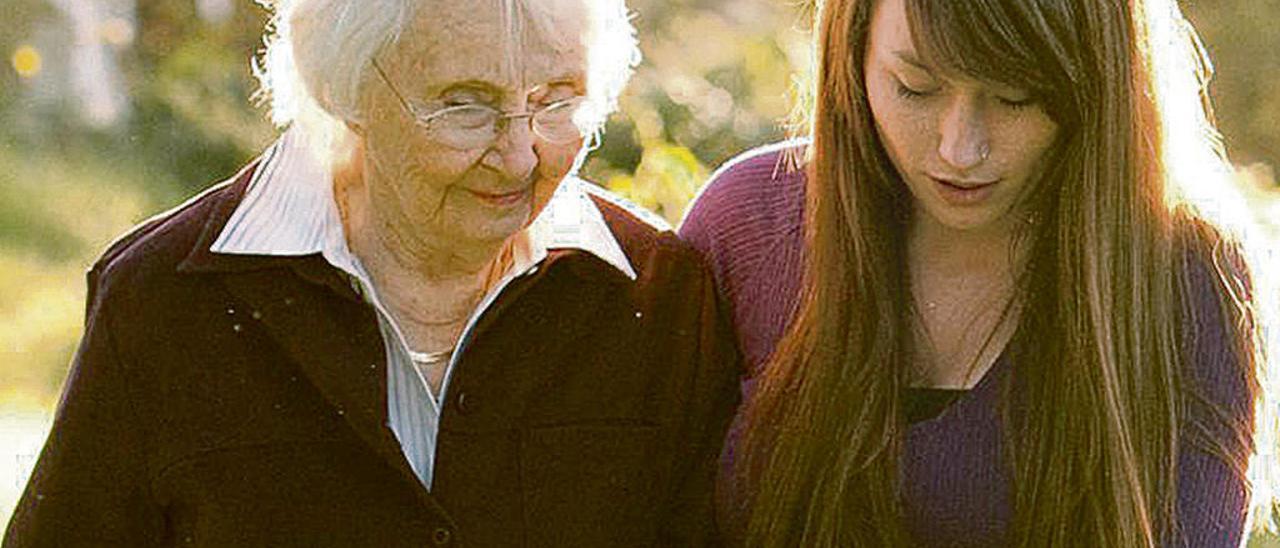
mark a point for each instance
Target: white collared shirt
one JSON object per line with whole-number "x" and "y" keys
{"x": 289, "y": 210}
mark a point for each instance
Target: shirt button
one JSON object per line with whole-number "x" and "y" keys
{"x": 464, "y": 403}
{"x": 441, "y": 536}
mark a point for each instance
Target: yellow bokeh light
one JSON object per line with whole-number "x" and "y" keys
{"x": 27, "y": 61}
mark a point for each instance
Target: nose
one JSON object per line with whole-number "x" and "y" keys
{"x": 965, "y": 140}
{"x": 512, "y": 152}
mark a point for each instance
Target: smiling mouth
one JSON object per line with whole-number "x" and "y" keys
{"x": 503, "y": 198}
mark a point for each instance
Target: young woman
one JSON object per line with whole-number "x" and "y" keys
{"x": 978, "y": 308}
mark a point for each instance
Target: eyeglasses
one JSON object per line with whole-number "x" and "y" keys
{"x": 467, "y": 127}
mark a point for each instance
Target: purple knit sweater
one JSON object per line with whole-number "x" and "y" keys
{"x": 956, "y": 485}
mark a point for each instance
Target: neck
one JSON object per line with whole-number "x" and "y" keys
{"x": 964, "y": 284}
{"x": 423, "y": 280}
{"x": 988, "y": 252}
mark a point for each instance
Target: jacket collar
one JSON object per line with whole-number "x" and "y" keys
{"x": 283, "y": 207}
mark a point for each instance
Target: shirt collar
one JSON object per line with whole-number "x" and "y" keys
{"x": 289, "y": 210}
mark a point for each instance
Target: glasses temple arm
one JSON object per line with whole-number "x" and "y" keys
{"x": 386, "y": 80}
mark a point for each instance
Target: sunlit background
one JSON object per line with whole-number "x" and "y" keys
{"x": 113, "y": 110}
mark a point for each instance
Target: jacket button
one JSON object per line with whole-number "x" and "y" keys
{"x": 464, "y": 403}
{"x": 441, "y": 536}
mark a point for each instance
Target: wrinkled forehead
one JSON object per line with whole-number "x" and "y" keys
{"x": 516, "y": 44}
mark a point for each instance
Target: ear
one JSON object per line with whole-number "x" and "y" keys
{"x": 349, "y": 172}
{"x": 348, "y": 153}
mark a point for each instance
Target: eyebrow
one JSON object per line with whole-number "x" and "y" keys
{"x": 493, "y": 92}
{"x": 575, "y": 79}
{"x": 480, "y": 86}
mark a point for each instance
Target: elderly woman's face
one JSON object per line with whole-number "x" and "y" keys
{"x": 482, "y": 193}
{"x": 966, "y": 150}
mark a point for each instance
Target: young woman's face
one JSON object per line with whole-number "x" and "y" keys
{"x": 967, "y": 150}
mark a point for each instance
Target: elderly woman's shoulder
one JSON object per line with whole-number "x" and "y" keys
{"x": 643, "y": 235}
{"x": 162, "y": 242}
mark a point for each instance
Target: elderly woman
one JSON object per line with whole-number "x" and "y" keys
{"x": 989, "y": 307}
{"x": 406, "y": 323}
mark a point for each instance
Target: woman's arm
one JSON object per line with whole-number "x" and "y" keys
{"x": 1220, "y": 383}
{"x": 714, "y": 398}
{"x": 89, "y": 487}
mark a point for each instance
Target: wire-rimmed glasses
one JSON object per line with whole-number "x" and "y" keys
{"x": 467, "y": 127}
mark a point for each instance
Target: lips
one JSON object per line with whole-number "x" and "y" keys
{"x": 502, "y": 198}
{"x": 964, "y": 193}
{"x": 963, "y": 185}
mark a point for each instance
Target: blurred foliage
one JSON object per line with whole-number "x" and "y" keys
{"x": 715, "y": 81}
{"x": 666, "y": 180}
{"x": 1242, "y": 40}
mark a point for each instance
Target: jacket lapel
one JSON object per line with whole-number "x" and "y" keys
{"x": 334, "y": 340}
{"x": 307, "y": 307}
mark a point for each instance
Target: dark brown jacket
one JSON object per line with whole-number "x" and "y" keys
{"x": 221, "y": 400}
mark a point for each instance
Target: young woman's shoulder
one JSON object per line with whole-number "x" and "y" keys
{"x": 748, "y": 224}
{"x": 749, "y": 202}
{"x": 1217, "y": 328}
{"x": 1215, "y": 289}
{"x": 1220, "y": 383}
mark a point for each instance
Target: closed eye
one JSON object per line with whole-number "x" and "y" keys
{"x": 907, "y": 92}
{"x": 550, "y": 94}
{"x": 1018, "y": 104}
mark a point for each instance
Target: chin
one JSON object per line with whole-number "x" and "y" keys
{"x": 497, "y": 228}
{"x": 968, "y": 220}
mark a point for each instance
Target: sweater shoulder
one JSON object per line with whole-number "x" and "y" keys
{"x": 763, "y": 187}
{"x": 748, "y": 224}
{"x": 1218, "y": 324}
{"x": 752, "y": 204}
{"x": 749, "y": 202}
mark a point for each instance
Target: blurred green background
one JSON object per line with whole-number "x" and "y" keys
{"x": 114, "y": 110}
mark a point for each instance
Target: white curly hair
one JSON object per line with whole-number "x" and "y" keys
{"x": 318, "y": 56}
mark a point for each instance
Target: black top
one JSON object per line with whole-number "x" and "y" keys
{"x": 922, "y": 404}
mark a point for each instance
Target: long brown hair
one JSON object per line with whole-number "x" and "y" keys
{"x": 1093, "y": 436}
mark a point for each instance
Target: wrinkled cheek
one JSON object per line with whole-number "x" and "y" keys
{"x": 554, "y": 162}
{"x": 430, "y": 170}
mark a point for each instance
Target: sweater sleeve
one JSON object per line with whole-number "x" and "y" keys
{"x": 747, "y": 223}
{"x": 1217, "y": 436}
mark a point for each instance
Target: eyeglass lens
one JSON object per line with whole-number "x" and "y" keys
{"x": 474, "y": 126}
